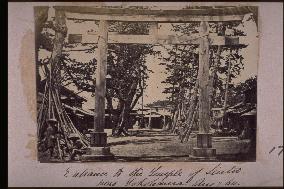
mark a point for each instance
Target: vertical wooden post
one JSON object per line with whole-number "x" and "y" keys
{"x": 99, "y": 149}
{"x": 101, "y": 77}
{"x": 204, "y": 79}
{"x": 153, "y": 31}
{"x": 150, "y": 118}
{"x": 99, "y": 137}
{"x": 204, "y": 140}
{"x": 142, "y": 103}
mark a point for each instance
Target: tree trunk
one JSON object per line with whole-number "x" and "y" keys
{"x": 41, "y": 15}
{"x": 213, "y": 76}
{"x": 123, "y": 120}
{"x": 226, "y": 90}
{"x": 126, "y": 106}
{"x": 110, "y": 108}
{"x": 176, "y": 117}
{"x": 117, "y": 116}
{"x": 54, "y": 61}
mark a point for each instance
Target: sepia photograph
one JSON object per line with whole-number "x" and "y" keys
{"x": 145, "y": 94}
{"x": 146, "y": 84}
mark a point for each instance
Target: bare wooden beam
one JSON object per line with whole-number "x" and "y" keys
{"x": 154, "y": 39}
{"x": 148, "y": 15}
{"x": 212, "y": 11}
{"x": 160, "y": 19}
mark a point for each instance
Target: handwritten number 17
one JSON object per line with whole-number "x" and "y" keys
{"x": 274, "y": 148}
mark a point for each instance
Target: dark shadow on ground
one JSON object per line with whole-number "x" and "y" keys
{"x": 152, "y": 135}
{"x": 236, "y": 158}
{"x": 151, "y": 158}
{"x": 139, "y": 142}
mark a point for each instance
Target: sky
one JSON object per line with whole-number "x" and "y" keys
{"x": 155, "y": 88}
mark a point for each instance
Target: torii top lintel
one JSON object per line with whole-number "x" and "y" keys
{"x": 148, "y": 15}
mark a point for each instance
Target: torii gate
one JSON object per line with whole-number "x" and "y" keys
{"x": 98, "y": 144}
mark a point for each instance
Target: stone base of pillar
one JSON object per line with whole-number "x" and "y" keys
{"x": 97, "y": 154}
{"x": 204, "y": 146}
{"x": 204, "y": 152}
{"x": 98, "y": 139}
{"x": 202, "y": 159}
{"x": 99, "y": 149}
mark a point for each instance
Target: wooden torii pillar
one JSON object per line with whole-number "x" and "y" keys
{"x": 204, "y": 139}
{"x": 99, "y": 147}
